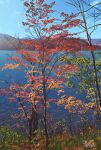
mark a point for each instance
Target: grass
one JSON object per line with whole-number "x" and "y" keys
{"x": 12, "y": 140}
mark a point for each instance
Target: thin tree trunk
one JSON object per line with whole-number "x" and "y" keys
{"x": 98, "y": 100}
{"x": 45, "y": 121}
{"x": 33, "y": 121}
{"x": 45, "y": 113}
{"x": 33, "y": 124}
{"x": 96, "y": 78}
{"x": 92, "y": 55}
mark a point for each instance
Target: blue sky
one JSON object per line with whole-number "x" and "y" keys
{"x": 12, "y": 14}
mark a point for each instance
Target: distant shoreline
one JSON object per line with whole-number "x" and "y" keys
{"x": 7, "y": 50}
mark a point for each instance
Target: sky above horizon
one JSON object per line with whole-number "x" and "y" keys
{"x": 12, "y": 14}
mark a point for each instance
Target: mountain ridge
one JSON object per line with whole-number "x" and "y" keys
{"x": 8, "y": 42}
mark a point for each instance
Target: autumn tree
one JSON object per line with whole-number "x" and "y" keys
{"x": 40, "y": 56}
{"x": 90, "y": 11}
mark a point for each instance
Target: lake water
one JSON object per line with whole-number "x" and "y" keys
{"x": 18, "y": 75}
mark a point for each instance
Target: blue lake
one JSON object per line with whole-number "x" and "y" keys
{"x": 18, "y": 75}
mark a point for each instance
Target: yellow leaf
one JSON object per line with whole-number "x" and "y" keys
{"x": 10, "y": 66}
